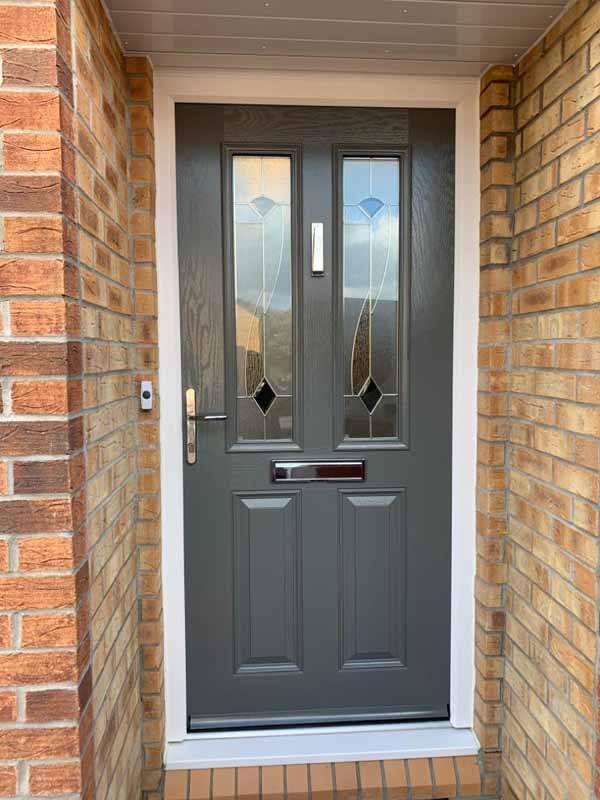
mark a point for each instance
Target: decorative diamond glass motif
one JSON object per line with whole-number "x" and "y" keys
{"x": 263, "y": 205}
{"x": 263, "y": 296}
{"x": 264, "y": 396}
{"x": 370, "y": 394}
{"x": 371, "y": 283}
{"x": 370, "y": 205}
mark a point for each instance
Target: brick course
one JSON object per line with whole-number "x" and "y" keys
{"x": 540, "y": 415}
{"x": 498, "y": 168}
{"x": 76, "y": 210}
{"x": 81, "y": 705}
{"x": 405, "y": 779}
{"x": 44, "y": 572}
{"x": 141, "y": 222}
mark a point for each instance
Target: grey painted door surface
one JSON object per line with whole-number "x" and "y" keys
{"x": 328, "y": 600}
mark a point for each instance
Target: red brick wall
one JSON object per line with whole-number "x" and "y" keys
{"x": 540, "y": 408}
{"x": 79, "y": 585}
{"x": 109, "y": 396}
{"x": 81, "y": 707}
{"x": 148, "y": 531}
{"x": 45, "y": 658}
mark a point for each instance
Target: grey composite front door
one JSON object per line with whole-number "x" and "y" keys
{"x": 316, "y": 274}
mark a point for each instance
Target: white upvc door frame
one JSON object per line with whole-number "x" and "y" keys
{"x": 354, "y": 742}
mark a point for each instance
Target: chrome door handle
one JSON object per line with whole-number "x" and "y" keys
{"x": 190, "y": 413}
{"x": 191, "y": 419}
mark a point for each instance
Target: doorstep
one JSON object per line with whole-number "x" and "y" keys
{"x": 399, "y": 779}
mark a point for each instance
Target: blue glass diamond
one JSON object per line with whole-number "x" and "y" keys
{"x": 263, "y": 205}
{"x": 371, "y": 205}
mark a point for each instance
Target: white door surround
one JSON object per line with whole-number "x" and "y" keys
{"x": 348, "y": 742}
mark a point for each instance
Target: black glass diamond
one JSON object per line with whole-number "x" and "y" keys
{"x": 264, "y": 396}
{"x": 370, "y": 394}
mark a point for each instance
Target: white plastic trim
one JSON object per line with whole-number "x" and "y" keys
{"x": 321, "y": 745}
{"x": 306, "y": 88}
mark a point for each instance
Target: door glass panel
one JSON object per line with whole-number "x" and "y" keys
{"x": 371, "y": 280}
{"x": 263, "y": 296}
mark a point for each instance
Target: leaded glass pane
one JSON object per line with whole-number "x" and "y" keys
{"x": 263, "y": 295}
{"x": 371, "y": 280}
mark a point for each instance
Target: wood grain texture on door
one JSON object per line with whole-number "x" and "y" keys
{"x": 317, "y": 602}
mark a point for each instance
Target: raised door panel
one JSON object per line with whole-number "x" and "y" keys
{"x": 372, "y": 580}
{"x": 267, "y": 576}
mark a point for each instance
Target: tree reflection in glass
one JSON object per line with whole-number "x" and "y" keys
{"x": 263, "y": 295}
{"x": 371, "y": 267}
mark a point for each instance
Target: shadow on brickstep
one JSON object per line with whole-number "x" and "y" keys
{"x": 414, "y": 779}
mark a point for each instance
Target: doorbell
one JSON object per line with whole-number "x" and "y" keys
{"x": 146, "y": 395}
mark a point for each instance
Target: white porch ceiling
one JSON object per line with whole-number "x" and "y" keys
{"x": 436, "y": 37}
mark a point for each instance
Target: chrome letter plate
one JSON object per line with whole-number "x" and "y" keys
{"x": 312, "y": 471}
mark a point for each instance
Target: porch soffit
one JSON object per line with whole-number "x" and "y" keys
{"x": 426, "y": 37}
